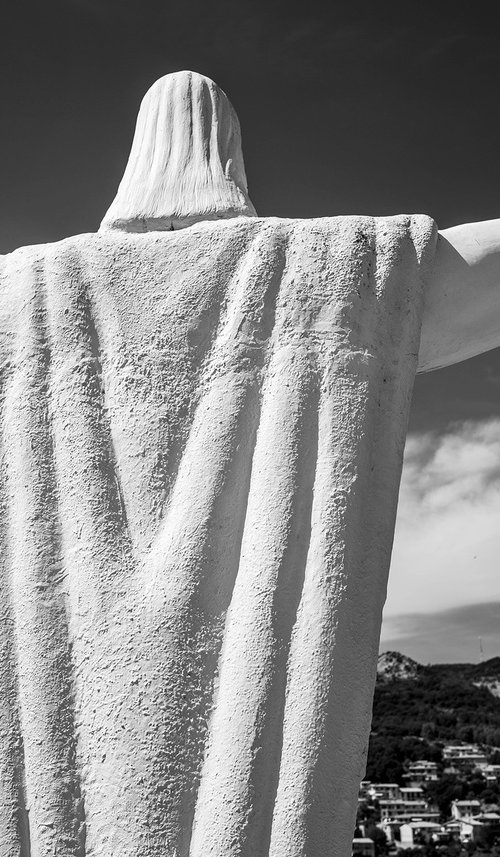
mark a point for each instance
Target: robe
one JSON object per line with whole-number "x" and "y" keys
{"x": 202, "y": 435}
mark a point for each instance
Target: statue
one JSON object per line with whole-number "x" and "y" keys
{"x": 203, "y": 418}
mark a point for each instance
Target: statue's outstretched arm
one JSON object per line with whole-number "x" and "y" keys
{"x": 462, "y": 306}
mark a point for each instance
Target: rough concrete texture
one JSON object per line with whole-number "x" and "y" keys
{"x": 202, "y": 437}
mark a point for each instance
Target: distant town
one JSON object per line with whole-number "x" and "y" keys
{"x": 448, "y": 801}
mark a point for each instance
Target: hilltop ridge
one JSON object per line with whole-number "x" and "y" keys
{"x": 394, "y": 665}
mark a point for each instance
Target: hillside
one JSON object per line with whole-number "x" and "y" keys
{"x": 416, "y": 709}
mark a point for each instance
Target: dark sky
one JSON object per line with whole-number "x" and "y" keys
{"x": 345, "y": 108}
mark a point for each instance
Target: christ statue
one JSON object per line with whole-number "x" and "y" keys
{"x": 203, "y": 417}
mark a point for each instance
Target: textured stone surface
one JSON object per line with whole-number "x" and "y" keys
{"x": 202, "y": 436}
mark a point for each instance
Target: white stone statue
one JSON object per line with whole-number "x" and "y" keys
{"x": 203, "y": 416}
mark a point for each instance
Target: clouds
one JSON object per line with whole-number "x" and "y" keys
{"x": 463, "y": 634}
{"x": 447, "y": 539}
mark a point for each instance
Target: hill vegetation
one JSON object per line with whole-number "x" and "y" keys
{"x": 417, "y": 709}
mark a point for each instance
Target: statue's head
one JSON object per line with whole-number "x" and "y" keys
{"x": 186, "y": 163}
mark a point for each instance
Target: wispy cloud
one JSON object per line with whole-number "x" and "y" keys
{"x": 447, "y": 540}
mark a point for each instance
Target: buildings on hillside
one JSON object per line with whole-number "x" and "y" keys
{"x": 474, "y": 828}
{"x": 420, "y": 773}
{"x": 408, "y": 819}
{"x": 465, "y": 809}
{"x": 463, "y": 757}
{"x": 398, "y": 804}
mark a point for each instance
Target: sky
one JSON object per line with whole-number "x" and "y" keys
{"x": 345, "y": 108}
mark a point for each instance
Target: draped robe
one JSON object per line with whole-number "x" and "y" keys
{"x": 201, "y": 445}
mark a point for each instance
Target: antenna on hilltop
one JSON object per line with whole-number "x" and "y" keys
{"x": 480, "y": 646}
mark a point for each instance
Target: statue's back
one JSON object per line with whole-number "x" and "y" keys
{"x": 202, "y": 442}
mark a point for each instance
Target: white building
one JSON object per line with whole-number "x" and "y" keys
{"x": 363, "y": 847}
{"x": 385, "y": 791}
{"x": 463, "y": 809}
{"x": 402, "y": 811}
{"x": 411, "y": 793}
{"x": 391, "y": 829}
{"x": 421, "y": 772}
{"x": 418, "y": 833}
{"x": 491, "y": 772}
{"x": 461, "y": 756}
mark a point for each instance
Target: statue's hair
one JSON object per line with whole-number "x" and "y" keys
{"x": 185, "y": 163}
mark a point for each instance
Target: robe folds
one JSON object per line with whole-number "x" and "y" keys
{"x": 201, "y": 444}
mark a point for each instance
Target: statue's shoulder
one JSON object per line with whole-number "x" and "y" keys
{"x": 32, "y": 254}
{"x": 112, "y": 243}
